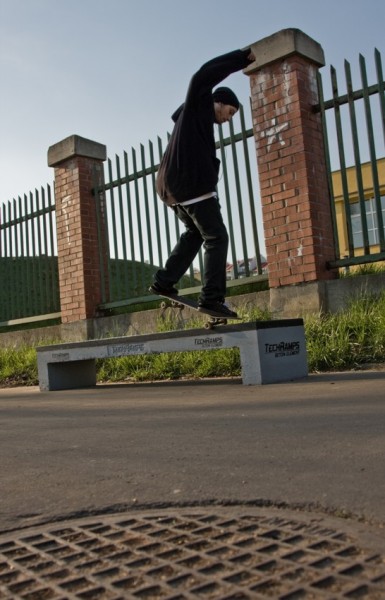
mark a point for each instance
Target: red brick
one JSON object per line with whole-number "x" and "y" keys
{"x": 294, "y": 188}
{"x": 77, "y": 240}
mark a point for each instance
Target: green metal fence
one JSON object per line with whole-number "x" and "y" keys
{"x": 28, "y": 263}
{"x": 354, "y": 132}
{"x": 141, "y": 230}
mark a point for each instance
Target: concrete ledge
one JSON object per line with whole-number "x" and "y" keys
{"x": 270, "y": 351}
{"x": 75, "y": 145}
{"x": 283, "y": 44}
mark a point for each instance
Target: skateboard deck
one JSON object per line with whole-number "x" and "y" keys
{"x": 215, "y": 318}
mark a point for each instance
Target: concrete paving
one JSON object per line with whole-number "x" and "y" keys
{"x": 316, "y": 444}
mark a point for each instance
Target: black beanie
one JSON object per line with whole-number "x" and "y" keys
{"x": 226, "y": 96}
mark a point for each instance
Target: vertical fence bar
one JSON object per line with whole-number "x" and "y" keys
{"x": 5, "y": 288}
{"x": 156, "y": 205}
{"x": 11, "y": 292}
{"x": 228, "y": 202}
{"x": 176, "y": 220}
{"x": 116, "y": 279}
{"x": 133, "y": 278}
{"x": 177, "y": 226}
{"x": 381, "y": 87}
{"x": 341, "y": 152}
{"x": 45, "y": 253}
{"x": 17, "y": 283}
{"x": 250, "y": 192}
{"x": 14, "y": 262}
{"x": 55, "y": 304}
{"x": 13, "y": 248}
{"x": 34, "y": 254}
{"x": 20, "y": 290}
{"x": 138, "y": 218}
{"x": 97, "y": 193}
{"x": 200, "y": 260}
{"x": 146, "y": 206}
{"x": 26, "y": 266}
{"x": 42, "y": 259}
{"x": 48, "y": 273}
{"x": 8, "y": 262}
{"x": 191, "y": 274}
{"x": 165, "y": 210}
{"x": 28, "y": 262}
{"x": 357, "y": 157}
{"x": 239, "y": 201}
{"x": 122, "y": 229}
{"x": 328, "y": 165}
{"x": 37, "y": 253}
{"x": 2, "y": 267}
{"x": 372, "y": 151}
{"x": 21, "y": 258}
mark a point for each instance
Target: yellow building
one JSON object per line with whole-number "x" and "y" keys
{"x": 356, "y": 221}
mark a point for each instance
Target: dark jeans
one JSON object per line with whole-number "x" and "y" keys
{"x": 204, "y": 225}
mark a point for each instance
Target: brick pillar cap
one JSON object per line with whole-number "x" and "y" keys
{"x": 74, "y": 145}
{"x": 283, "y": 44}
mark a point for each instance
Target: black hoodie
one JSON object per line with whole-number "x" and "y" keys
{"x": 189, "y": 167}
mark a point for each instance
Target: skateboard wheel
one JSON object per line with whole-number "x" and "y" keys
{"x": 209, "y": 325}
{"x": 163, "y": 305}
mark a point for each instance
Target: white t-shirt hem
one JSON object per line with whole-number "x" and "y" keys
{"x": 198, "y": 199}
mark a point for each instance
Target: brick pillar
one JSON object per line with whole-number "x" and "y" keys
{"x": 74, "y": 160}
{"x": 290, "y": 156}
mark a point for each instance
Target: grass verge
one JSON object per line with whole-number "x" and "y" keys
{"x": 18, "y": 366}
{"x": 348, "y": 339}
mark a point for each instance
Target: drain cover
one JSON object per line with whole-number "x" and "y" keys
{"x": 227, "y": 553}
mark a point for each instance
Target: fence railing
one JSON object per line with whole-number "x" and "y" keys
{"x": 28, "y": 259}
{"x": 357, "y": 197}
{"x": 141, "y": 230}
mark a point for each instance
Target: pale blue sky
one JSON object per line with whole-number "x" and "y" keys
{"x": 114, "y": 70}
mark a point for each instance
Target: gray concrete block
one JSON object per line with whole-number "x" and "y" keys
{"x": 75, "y": 145}
{"x": 270, "y": 351}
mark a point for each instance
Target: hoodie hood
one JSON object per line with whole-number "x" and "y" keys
{"x": 175, "y": 116}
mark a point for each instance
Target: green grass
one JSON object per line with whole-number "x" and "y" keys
{"x": 170, "y": 366}
{"x": 18, "y": 366}
{"x": 350, "y": 339}
{"x": 367, "y": 269}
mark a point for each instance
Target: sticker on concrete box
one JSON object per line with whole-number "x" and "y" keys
{"x": 209, "y": 342}
{"x": 126, "y": 349}
{"x": 281, "y": 349}
{"x": 60, "y": 356}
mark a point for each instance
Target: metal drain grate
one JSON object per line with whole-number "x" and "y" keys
{"x": 188, "y": 554}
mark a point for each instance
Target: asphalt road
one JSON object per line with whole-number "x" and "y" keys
{"x": 317, "y": 443}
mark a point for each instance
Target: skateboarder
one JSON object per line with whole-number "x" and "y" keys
{"x": 187, "y": 179}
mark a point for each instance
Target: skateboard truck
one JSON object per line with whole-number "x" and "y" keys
{"x": 210, "y": 324}
{"x": 179, "y": 302}
{"x": 213, "y": 321}
{"x": 172, "y": 304}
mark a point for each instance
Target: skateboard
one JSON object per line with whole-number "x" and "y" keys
{"x": 180, "y": 302}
